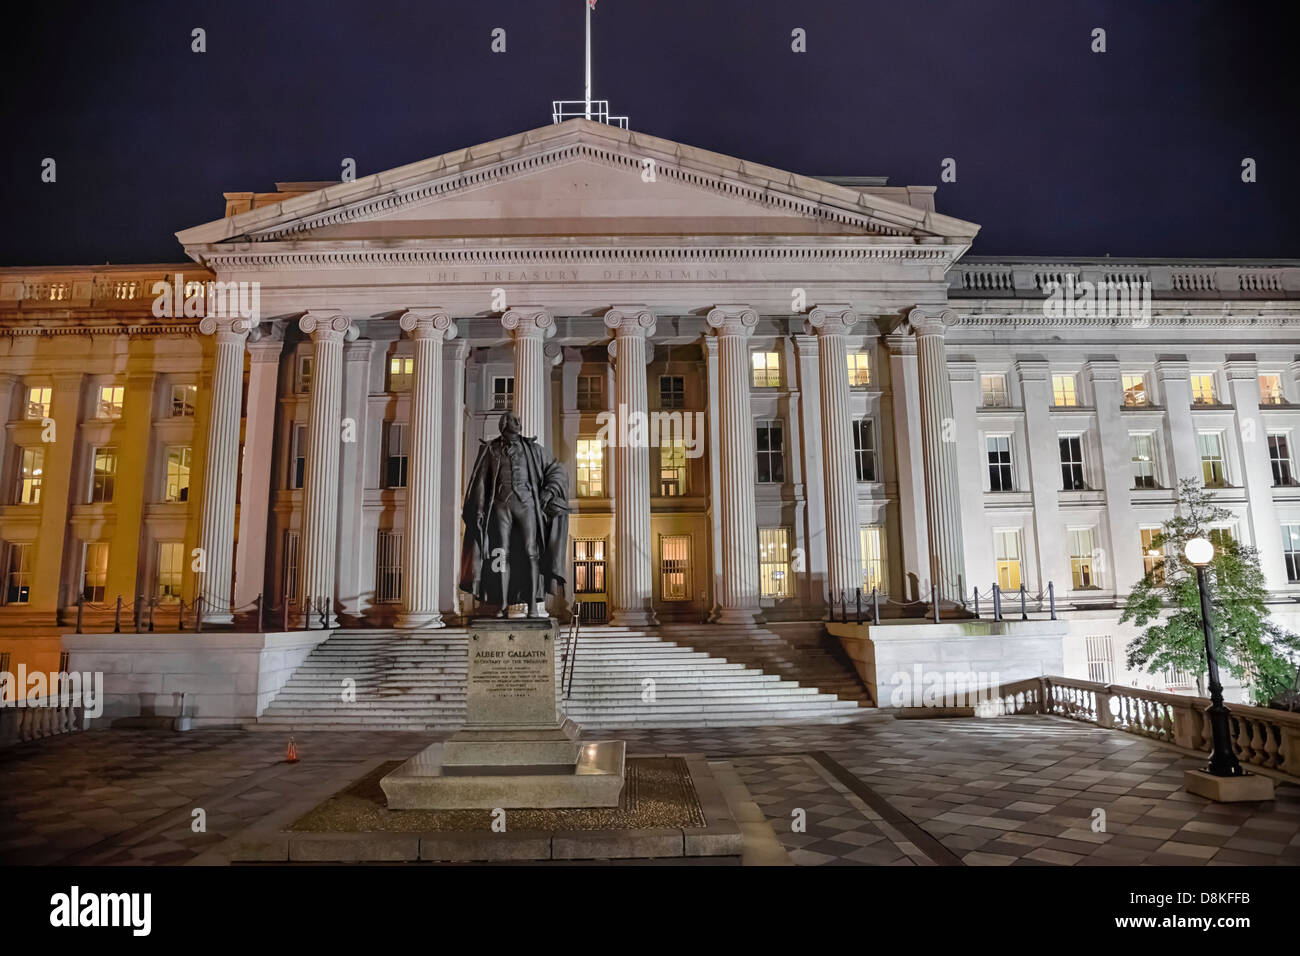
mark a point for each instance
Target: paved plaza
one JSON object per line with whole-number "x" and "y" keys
{"x": 1010, "y": 791}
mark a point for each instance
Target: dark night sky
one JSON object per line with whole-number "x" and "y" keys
{"x": 1060, "y": 151}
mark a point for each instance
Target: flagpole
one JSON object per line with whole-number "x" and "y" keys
{"x": 587, "y": 4}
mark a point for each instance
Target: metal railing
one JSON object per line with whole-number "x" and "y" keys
{"x": 562, "y": 110}
{"x": 146, "y": 615}
{"x": 569, "y": 659}
{"x": 1261, "y": 736}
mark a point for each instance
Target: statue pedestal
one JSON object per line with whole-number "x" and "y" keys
{"x": 517, "y": 748}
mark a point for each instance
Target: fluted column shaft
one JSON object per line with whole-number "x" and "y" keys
{"x": 738, "y": 601}
{"x": 221, "y": 469}
{"x": 427, "y": 329}
{"x": 939, "y": 457}
{"x": 633, "y": 583}
{"x": 530, "y": 327}
{"x": 321, "y": 483}
{"x": 843, "y": 545}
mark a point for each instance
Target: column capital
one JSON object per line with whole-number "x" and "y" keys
{"x": 835, "y": 319}
{"x": 611, "y": 349}
{"x": 328, "y": 325}
{"x": 732, "y": 320}
{"x": 532, "y": 321}
{"x": 226, "y": 330}
{"x": 931, "y": 322}
{"x": 630, "y": 320}
{"x": 554, "y": 354}
{"x": 427, "y": 323}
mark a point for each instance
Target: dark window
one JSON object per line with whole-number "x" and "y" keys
{"x": 395, "y": 456}
{"x": 770, "y": 445}
{"x": 672, "y": 391}
{"x": 864, "y": 448}
{"x": 999, "y": 453}
{"x": 1072, "y": 463}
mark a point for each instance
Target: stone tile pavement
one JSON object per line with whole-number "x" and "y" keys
{"x": 1016, "y": 791}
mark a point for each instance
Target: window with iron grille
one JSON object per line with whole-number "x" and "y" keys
{"x": 864, "y": 448}
{"x": 388, "y": 570}
{"x": 395, "y": 455}
{"x": 1101, "y": 658}
{"x": 589, "y": 566}
{"x": 1071, "y": 447}
{"x": 770, "y": 447}
{"x": 767, "y": 369}
{"x": 675, "y": 567}
{"x": 503, "y": 393}
{"x": 672, "y": 391}
{"x": 774, "y": 562}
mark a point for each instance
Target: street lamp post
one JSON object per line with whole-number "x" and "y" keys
{"x": 1223, "y": 762}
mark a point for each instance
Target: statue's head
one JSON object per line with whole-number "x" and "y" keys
{"x": 509, "y": 425}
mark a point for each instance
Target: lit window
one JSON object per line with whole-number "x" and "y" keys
{"x": 767, "y": 369}
{"x": 178, "y": 474}
{"x": 94, "y": 576}
{"x": 184, "y": 398}
{"x": 1224, "y": 538}
{"x": 110, "y": 401}
{"x": 31, "y": 473}
{"x": 774, "y": 562}
{"x": 1203, "y": 390}
{"x": 1270, "y": 390}
{"x": 290, "y": 585}
{"x": 388, "y": 567}
{"x": 38, "y": 403}
{"x": 395, "y": 455}
{"x": 590, "y": 468}
{"x": 1007, "y": 546}
{"x": 1135, "y": 390}
{"x": 672, "y": 468}
{"x": 503, "y": 393}
{"x": 590, "y": 393}
{"x": 103, "y": 475}
{"x": 1211, "y": 447}
{"x": 672, "y": 391}
{"x": 18, "y": 574}
{"x": 1142, "y": 452}
{"x": 1279, "y": 455}
{"x": 859, "y": 369}
{"x": 303, "y": 374}
{"x": 1071, "y": 448}
{"x": 872, "y": 541}
{"x": 171, "y": 568}
{"x": 993, "y": 391}
{"x": 401, "y": 373}
{"x": 999, "y": 458}
{"x": 1153, "y": 558}
{"x": 197, "y": 290}
{"x": 864, "y": 448}
{"x": 1291, "y": 551}
{"x": 1081, "y": 559}
{"x": 1063, "y": 393}
{"x": 769, "y": 445}
{"x": 588, "y": 565}
{"x": 675, "y": 567}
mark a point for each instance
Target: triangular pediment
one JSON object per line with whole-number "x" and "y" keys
{"x": 573, "y": 179}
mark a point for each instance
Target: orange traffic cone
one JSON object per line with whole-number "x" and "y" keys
{"x": 291, "y": 755}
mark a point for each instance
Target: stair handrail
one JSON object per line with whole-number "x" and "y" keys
{"x": 571, "y": 651}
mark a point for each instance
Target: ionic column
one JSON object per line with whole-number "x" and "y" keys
{"x": 255, "y": 488}
{"x": 428, "y": 329}
{"x": 221, "y": 468}
{"x": 939, "y": 456}
{"x": 321, "y": 484}
{"x": 530, "y": 327}
{"x": 633, "y": 594}
{"x": 738, "y": 600}
{"x": 832, "y": 323}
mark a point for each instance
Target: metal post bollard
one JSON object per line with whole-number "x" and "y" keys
{"x": 977, "y": 602}
{"x": 875, "y": 606}
{"x": 117, "y": 616}
{"x": 934, "y": 598}
{"x": 1024, "y": 610}
{"x": 152, "y": 602}
{"x": 180, "y": 616}
{"x": 81, "y": 605}
{"x": 997, "y": 602}
{"x": 1051, "y": 599}
{"x": 198, "y": 614}
{"x": 857, "y": 593}
{"x": 259, "y": 614}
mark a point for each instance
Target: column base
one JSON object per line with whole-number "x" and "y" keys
{"x": 419, "y": 620}
{"x": 217, "y": 618}
{"x": 633, "y": 617}
{"x": 739, "y": 615}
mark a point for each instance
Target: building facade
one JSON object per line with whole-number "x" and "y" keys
{"x": 769, "y": 390}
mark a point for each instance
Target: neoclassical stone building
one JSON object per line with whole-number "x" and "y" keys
{"x": 767, "y": 388}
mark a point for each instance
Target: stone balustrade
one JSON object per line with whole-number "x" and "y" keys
{"x": 62, "y": 713}
{"x": 1262, "y": 737}
{"x": 110, "y": 287}
{"x": 976, "y": 277}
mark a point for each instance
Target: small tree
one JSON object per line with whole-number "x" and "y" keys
{"x": 1250, "y": 646}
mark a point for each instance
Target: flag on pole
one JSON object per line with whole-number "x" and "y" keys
{"x": 592, "y": 4}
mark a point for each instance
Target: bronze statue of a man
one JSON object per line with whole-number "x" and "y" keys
{"x": 516, "y": 522}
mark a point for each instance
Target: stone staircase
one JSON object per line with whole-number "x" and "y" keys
{"x": 671, "y": 676}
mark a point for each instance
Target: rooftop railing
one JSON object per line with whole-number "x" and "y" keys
{"x": 1032, "y": 278}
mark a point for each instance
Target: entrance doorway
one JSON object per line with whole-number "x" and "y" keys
{"x": 589, "y": 579}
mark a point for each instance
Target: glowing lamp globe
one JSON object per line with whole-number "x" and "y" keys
{"x": 1199, "y": 551}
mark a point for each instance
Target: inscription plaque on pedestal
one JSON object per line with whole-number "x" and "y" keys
{"x": 512, "y": 675}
